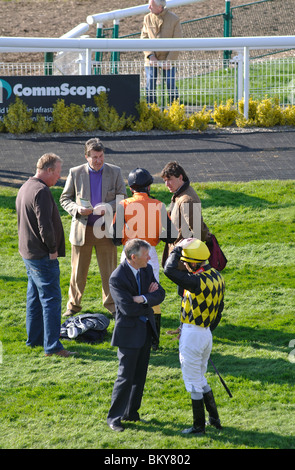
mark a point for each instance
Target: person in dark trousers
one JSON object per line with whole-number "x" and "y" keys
{"x": 135, "y": 291}
{"x": 202, "y": 304}
{"x": 41, "y": 242}
{"x": 145, "y": 217}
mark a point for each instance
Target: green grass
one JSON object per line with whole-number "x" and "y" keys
{"x": 273, "y": 78}
{"x": 55, "y": 403}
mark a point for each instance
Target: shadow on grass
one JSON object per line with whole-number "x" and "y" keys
{"x": 223, "y": 197}
{"x": 15, "y": 179}
{"x": 12, "y": 279}
{"x": 217, "y": 197}
{"x": 7, "y": 202}
{"x": 253, "y": 336}
{"x": 229, "y": 436}
{"x": 262, "y": 369}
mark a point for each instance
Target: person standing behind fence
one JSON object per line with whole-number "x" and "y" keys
{"x": 99, "y": 183}
{"x": 41, "y": 242}
{"x": 160, "y": 23}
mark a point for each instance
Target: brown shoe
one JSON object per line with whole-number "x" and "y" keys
{"x": 62, "y": 353}
{"x": 173, "y": 332}
{"x": 69, "y": 313}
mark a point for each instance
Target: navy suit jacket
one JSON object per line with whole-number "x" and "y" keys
{"x": 130, "y": 330}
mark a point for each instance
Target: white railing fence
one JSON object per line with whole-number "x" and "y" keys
{"x": 117, "y": 15}
{"x": 235, "y": 75}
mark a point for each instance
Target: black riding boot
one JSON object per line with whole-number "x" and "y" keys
{"x": 212, "y": 410}
{"x": 198, "y": 427}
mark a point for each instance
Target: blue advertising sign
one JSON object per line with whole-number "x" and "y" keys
{"x": 41, "y": 93}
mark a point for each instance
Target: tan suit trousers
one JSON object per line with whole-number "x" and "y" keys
{"x": 106, "y": 255}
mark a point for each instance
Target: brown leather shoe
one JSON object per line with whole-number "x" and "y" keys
{"x": 69, "y": 313}
{"x": 173, "y": 332}
{"x": 62, "y": 353}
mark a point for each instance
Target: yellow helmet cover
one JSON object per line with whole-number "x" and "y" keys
{"x": 196, "y": 252}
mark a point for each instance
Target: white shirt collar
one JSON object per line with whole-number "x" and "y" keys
{"x": 135, "y": 271}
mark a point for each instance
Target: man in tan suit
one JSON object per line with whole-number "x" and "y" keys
{"x": 89, "y": 186}
{"x": 160, "y": 23}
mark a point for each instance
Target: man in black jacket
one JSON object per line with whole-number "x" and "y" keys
{"x": 135, "y": 291}
{"x": 202, "y": 304}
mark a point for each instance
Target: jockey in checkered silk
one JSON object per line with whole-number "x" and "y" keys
{"x": 202, "y": 304}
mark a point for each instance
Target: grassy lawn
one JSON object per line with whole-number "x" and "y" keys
{"x": 273, "y": 78}
{"x": 55, "y": 403}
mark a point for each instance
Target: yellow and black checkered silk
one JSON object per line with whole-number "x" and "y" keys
{"x": 201, "y": 307}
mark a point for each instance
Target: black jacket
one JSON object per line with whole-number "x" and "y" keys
{"x": 130, "y": 330}
{"x": 197, "y": 284}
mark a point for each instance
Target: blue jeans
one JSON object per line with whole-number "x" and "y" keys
{"x": 43, "y": 319}
{"x": 151, "y": 83}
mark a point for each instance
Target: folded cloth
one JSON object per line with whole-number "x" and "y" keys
{"x": 74, "y": 327}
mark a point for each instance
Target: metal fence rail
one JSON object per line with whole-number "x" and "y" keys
{"x": 230, "y": 23}
{"x": 219, "y": 80}
{"x": 199, "y": 82}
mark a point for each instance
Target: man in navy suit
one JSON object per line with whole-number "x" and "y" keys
{"x": 135, "y": 291}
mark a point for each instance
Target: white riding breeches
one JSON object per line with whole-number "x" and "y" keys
{"x": 195, "y": 347}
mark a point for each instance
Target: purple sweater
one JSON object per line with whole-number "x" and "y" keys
{"x": 95, "y": 191}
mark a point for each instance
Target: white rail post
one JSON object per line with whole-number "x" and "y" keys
{"x": 88, "y": 61}
{"x": 246, "y": 82}
{"x": 82, "y": 63}
{"x": 240, "y": 57}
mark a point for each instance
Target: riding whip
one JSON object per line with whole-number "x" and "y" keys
{"x": 221, "y": 379}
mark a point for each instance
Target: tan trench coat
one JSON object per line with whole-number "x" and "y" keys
{"x": 164, "y": 25}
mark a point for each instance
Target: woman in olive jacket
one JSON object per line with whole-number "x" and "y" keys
{"x": 185, "y": 209}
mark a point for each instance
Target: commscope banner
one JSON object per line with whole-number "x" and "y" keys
{"x": 41, "y": 93}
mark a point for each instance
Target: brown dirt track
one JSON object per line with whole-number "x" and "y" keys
{"x": 53, "y": 18}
